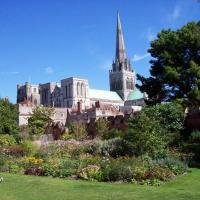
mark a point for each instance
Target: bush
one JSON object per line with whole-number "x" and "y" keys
{"x": 29, "y": 148}
{"x": 7, "y": 140}
{"x": 101, "y": 127}
{"x": 15, "y": 150}
{"x": 114, "y": 147}
{"x": 78, "y": 130}
{"x": 173, "y": 164}
{"x": 169, "y": 115}
{"x": 91, "y": 172}
{"x": 147, "y": 136}
{"x": 115, "y": 170}
{"x": 193, "y": 149}
{"x": 160, "y": 173}
{"x": 60, "y": 168}
{"x": 67, "y": 136}
{"x": 195, "y": 136}
{"x": 113, "y": 133}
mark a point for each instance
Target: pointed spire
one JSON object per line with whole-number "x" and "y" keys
{"x": 120, "y": 45}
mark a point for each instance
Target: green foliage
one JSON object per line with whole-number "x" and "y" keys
{"x": 114, "y": 147}
{"x": 119, "y": 172}
{"x": 39, "y": 120}
{"x": 193, "y": 149}
{"x": 78, "y": 130}
{"x": 146, "y": 135}
{"x": 91, "y": 172}
{"x": 169, "y": 115}
{"x": 113, "y": 133}
{"x": 173, "y": 164}
{"x": 67, "y": 136}
{"x": 175, "y": 67}
{"x": 7, "y": 140}
{"x": 195, "y": 136}
{"x": 8, "y": 118}
{"x": 29, "y": 148}
{"x": 101, "y": 127}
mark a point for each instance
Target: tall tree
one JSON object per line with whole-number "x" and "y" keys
{"x": 8, "y": 118}
{"x": 39, "y": 120}
{"x": 175, "y": 66}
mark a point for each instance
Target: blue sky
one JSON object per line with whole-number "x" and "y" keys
{"x": 48, "y": 40}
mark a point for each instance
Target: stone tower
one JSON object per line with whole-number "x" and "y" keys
{"x": 122, "y": 77}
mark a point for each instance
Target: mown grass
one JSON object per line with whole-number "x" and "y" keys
{"x": 21, "y": 187}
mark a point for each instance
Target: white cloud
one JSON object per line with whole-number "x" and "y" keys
{"x": 176, "y": 12}
{"x": 150, "y": 34}
{"x": 49, "y": 70}
{"x": 9, "y": 73}
{"x": 137, "y": 57}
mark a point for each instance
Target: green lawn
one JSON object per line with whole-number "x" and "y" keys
{"x": 21, "y": 187}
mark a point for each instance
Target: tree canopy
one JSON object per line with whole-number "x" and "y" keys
{"x": 8, "y": 118}
{"x": 39, "y": 120}
{"x": 175, "y": 66}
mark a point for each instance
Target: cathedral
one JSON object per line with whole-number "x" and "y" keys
{"x": 75, "y": 92}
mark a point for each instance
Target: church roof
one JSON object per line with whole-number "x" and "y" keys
{"x": 104, "y": 95}
{"x": 135, "y": 94}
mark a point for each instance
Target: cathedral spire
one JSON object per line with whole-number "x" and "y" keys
{"x": 120, "y": 45}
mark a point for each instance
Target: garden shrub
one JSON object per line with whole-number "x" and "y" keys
{"x": 147, "y": 136}
{"x": 67, "y": 136}
{"x": 194, "y": 149}
{"x": 15, "y": 167}
{"x": 113, "y": 133}
{"x": 91, "y": 172}
{"x": 7, "y": 140}
{"x": 195, "y": 136}
{"x": 160, "y": 173}
{"x": 115, "y": 147}
{"x": 15, "y": 150}
{"x": 78, "y": 130}
{"x": 101, "y": 127}
{"x": 173, "y": 164}
{"x": 29, "y": 148}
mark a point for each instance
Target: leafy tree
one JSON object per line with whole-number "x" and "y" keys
{"x": 78, "y": 130}
{"x": 175, "y": 66}
{"x": 8, "y": 118}
{"x": 146, "y": 135}
{"x": 101, "y": 127}
{"x": 113, "y": 133}
{"x": 169, "y": 115}
{"x": 39, "y": 120}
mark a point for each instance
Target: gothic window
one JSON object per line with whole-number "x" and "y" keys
{"x": 66, "y": 90}
{"x": 120, "y": 66}
{"x": 127, "y": 84}
{"x": 82, "y": 89}
{"x": 131, "y": 84}
{"x": 70, "y": 95}
{"x": 78, "y": 89}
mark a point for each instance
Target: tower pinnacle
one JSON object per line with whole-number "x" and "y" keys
{"x": 120, "y": 45}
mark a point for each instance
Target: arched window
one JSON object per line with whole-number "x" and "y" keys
{"x": 82, "y": 89}
{"x": 127, "y": 83}
{"x": 131, "y": 84}
{"x": 78, "y": 89}
{"x": 70, "y": 90}
{"x": 66, "y": 90}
